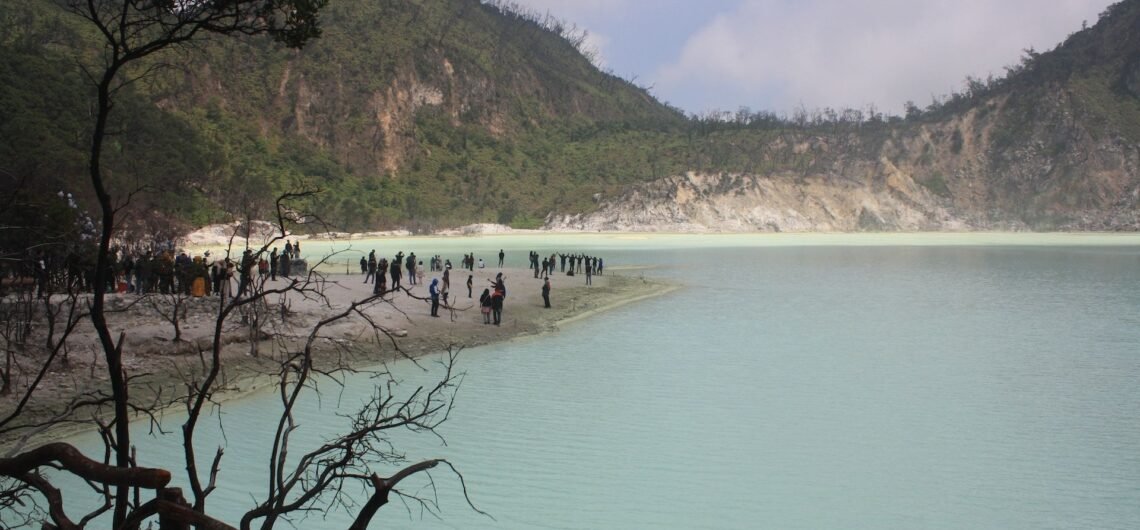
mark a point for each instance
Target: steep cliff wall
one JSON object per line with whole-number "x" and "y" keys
{"x": 1057, "y": 173}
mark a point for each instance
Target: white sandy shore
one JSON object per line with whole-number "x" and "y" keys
{"x": 148, "y": 349}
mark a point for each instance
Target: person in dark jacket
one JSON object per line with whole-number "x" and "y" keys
{"x": 433, "y": 289}
{"x": 546, "y": 293}
{"x": 485, "y": 305}
{"x": 498, "y": 296}
{"x": 394, "y": 268}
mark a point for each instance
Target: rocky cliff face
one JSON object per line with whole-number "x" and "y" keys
{"x": 1061, "y": 169}
{"x": 745, "y": 203}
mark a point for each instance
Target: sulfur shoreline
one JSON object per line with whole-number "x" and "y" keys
{"x": 166, "y": 365}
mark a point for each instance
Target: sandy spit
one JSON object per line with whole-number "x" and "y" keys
{"x": 162, "y": 367}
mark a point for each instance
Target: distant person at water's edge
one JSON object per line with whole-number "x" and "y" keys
{"x": 501, "y": 256}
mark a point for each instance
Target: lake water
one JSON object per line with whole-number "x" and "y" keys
{"x": 899, "y": 381}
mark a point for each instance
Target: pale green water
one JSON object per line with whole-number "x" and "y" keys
{"x": 900, "y": 381}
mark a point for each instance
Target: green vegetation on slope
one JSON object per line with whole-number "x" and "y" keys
{"x": 431, "y": 113}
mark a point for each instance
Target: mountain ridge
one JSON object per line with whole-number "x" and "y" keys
{"x": 423, "y": 114}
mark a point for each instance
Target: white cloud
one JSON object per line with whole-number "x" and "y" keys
{"x": 572, "y": 9}
{"x": 777, "y": 54}
{"x": 596, "y": 46}
{"x": 579, "y": 13}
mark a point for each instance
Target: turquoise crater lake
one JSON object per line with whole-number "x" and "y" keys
{"x": 907, "y": 381}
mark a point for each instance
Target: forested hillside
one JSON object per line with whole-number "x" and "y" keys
{"x": 432, "y": 113}
{"x": 406, "y": 113}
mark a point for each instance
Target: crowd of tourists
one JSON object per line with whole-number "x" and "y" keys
{"x": 407, "y": 271}
{"x": 167, "y": 271}
{"x": 161, "y": 270}
{"x": 389, "y": 275}
{"x": 570, "y": 264}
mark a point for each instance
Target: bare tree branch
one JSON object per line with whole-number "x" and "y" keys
{"x": 70, "y": 459}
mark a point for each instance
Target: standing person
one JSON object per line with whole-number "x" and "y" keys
{"x": 470, "y": 282}
{"x": 485, "y": 306}
{"x": 286, "y": 265}
{"x": 217, "y": 273}
{"x": 481, "y": 264}
{"x": 420, "y": 272}
{"x": 41, "y": 274}
{"x": 273, "y": 265}
{"x": 297, "y": 248}
{"x": 589, "y": 273}
{"x": 410, "y": 264}
{"x": 446, "y": 279}
{"x": 498, "y": 296}
{"x": 245, "y": 272}
{"x": 394, "y": 269}
{"x": 501, "y": 256}
{"x": 227, "y": 280}
{"x": 288, "y": 251}
{"x": 363, "y": 267}
{"x": 433, "y": 289}
{"x": 381, "y": 276}
{"x": 546, "y": 293}
{"x": 370, "y": 267}
{"x": 497, "y": 305}
{"x": 128, "y": 269}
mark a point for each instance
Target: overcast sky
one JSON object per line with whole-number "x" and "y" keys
{"x": 776, "y": 55}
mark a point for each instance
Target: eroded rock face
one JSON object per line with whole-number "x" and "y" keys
{"x": 1006, "y": 164}
{"x": 744, "y": 203}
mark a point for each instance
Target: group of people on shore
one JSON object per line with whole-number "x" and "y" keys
{"x": 387, "y": 276}
{"x": 168, "y": 272}
{"x": 577, "y": 263}
{"x": 158, "y": 270}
